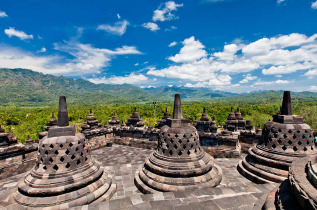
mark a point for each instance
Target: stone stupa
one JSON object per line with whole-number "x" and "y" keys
{"x": 179, "y": 163}
{"x": 65, "y": 175}
{"x": 283, "y": 140}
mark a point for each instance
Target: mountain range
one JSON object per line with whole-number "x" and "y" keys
{"x": 25, "y": 87}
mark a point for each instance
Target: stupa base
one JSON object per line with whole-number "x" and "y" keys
{"x": 147, "y": 185}
{"x": 101, "y": 190}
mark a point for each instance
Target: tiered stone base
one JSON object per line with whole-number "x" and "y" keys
{"x": 264, "y": 166}
{"x": 65, "y": 191}
{"x": 161, "y": 173}
{"x": 299, "y": 191}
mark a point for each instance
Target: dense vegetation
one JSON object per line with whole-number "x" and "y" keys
{"x": 28, "y": 98}
{"x": 26, "y": 121}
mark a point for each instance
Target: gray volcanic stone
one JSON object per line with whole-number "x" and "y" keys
{"x": 283, "y": 140}
{"x": 65, "y": 175}
{"x": 179, "y": 163}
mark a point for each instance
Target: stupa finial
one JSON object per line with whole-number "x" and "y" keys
{"x": 62, "y": 112}
{"x": 177, "y": 114}
{"x": 287, "y": 104}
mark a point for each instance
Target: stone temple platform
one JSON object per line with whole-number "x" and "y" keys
{"x": 234, "y": 191}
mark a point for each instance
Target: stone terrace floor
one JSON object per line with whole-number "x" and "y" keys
{"x": 234, "y": 192}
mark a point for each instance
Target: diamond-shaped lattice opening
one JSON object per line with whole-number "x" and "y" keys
{"x": 289, "y": 131}
{"x": 83, "y": 146}
{"x": 184, "y": 146}
{"x": 55, "y": 167}
{"x": 175, "y": 146}
{"x": 67, "y": 165}
{"x": 195, "y": 139}
{"x": 61, "y": 145}
{"x": 46, "y": 152}
{"x": 44, "y": 167}
{"x": 176, "y": 135}
{"x": 298, "y": 131}
{"x": 62, "y": 159}
{"x": 290, "y": 142}
{"x": 299, "y": 143}
{"x": 305, "y": 149}
{"x": 51, "y": 146}
{"x": 70, "y": 144}
{"x": 192, "y": 145}
{"x": 82, "y": 154}
{"x": 279, "y": 130}
{"x": 180, "y": 153}
{"x": 172, "y": 141}
{"x": 73, "y": 157}
{"x": 284, "y": 148}
{"x": 308, "y": 141}
{"x": 187, "y": 140}
{"x": 43, "y": 145}
{"x": 168, "y": 146}
{"x": 170, "y": 152}
{"x": 56, "y": 152}
{"x": 188, "y": 152}
{"x": 285, "y": 136}
{"x": 273, "y": 146}
{"x": 303, "y": 136}
{"x": 86, "y": 158}
{"x": 306, "y": 131}
{"x": 78, "y": 162}
{"x": 180, "y": 141}
{"x": 294, "y": 137}
{"x": 51, "y": 160}
{"x": 79, "y": 142}
{"x": 295, "y": 148}
{"x": 279, "y": 141}
{"x": 76, "y": 149}
{"x": 41, "y": 160}
{"x": 163, "y": 150}
{"x": 191, "y": 134}
{"x": 310, "y": 136}
{"x": 67, "y": 152}
{"x": 275, "y": 135}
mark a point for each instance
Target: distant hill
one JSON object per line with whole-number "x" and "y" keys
{"x": 25, "y": 87}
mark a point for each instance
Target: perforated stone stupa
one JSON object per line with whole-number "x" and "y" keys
{"x": 65, "y": 175}
{"x": 179, "y": 163}
{"x": 283, "y": 140}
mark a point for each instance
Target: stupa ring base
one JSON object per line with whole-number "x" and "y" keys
{"x": 102, "y": 189}
{"x": 152, "y": 183}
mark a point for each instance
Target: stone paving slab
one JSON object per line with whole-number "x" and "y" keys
{"x": 234, "y": 192}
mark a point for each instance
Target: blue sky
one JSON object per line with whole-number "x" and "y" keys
{"x": 230, "y": 45}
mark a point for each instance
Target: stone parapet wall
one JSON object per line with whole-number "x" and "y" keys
{"x": 17, "y": 164}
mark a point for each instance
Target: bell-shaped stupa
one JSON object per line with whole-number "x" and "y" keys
{"x": 65, "y": 175}
{"x": 283, "y": 140}
{"x": 179, "y": 163}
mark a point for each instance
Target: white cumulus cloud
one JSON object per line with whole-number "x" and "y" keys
{"x": 127, "y": 79}
{"x": 248, "y": 78}
{"x": 191, "y": 51}
{"x": 20, "y": 34}
{"x": 172, "y": 44}
{"x": 3, "y": 14}
{"x": 119, "y": 28}
{"x": 314, "y": 5}
{"x": 151, "y": 26}
{"x": 164, "y": 12}
{"x": 86, "y": 59}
